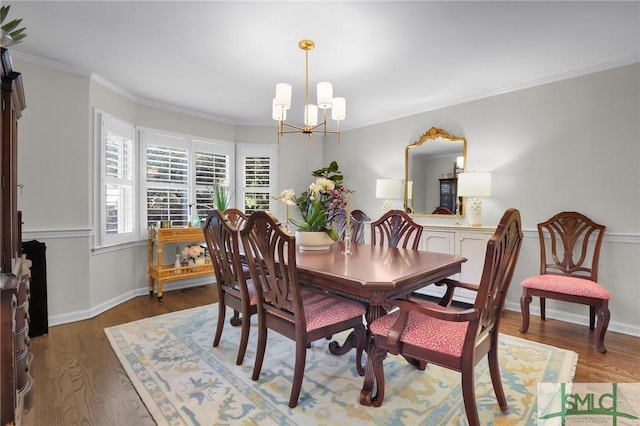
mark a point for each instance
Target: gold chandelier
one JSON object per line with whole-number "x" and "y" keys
{"x": 325, "y": 101}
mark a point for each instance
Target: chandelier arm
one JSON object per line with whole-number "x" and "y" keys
{"x": 293, "y": 126}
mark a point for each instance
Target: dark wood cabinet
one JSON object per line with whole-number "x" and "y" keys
{"x": 448, "y": 193}
{"x": 15, "y": 357}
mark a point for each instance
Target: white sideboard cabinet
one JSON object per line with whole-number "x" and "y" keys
{"x": 462, "y": 240}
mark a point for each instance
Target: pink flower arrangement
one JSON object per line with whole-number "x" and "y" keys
{"x": 192, "y": 252}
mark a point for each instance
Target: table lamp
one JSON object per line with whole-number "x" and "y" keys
{"x": 474, "y": 185}
{"x": 387, "y": 190}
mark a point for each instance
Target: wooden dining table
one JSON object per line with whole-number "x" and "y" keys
{"x": 374, "y": 274}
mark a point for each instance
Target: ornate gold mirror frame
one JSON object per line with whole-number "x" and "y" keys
{"x": 439, "y": 135}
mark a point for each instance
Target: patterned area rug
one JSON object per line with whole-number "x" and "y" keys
{"x": 183, "y": 380}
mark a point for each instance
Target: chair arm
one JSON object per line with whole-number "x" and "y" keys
{"x": 451, "y": 286}
{"x": 437, "y": 311}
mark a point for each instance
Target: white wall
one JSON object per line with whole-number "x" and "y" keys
{"x": 571, "y": 145}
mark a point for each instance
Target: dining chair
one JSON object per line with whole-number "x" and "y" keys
{"x": 442, "y": 210}
{"x": 299, "y": 313}
{"x": 237, "y": 217}
{"x": 425, "y": 332}
{"x": 358, "y": 220}
{"x": 234, "y": 288}
{"x": 396, "y": 228}
{"x": 570, "y": 246}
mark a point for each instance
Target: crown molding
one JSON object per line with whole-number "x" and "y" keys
{"x": 400, "y": 113}
{"x": 46, "y": 63}
{"x": 443, "y": 103}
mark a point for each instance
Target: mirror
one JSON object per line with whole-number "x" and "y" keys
{"x": 431, "y": 166}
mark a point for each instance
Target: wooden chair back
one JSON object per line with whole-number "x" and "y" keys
{"x": 234, "y": 289}
{"x": 237, "y": 217}
{"x": 570, "y": 245}
{"x": 268, "y": 246}
{"x": 358, "y": 219}
{"x": 503, "y": 250}
{"x": 441, "y": 210}
{"x": 222, "y": 241}
{"x": 396, "y": 228}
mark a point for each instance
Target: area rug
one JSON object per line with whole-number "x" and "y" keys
{"x": 183, "y": 380}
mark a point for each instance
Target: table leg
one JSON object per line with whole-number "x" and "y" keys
{"x": 373, "y": 312}
{"x": 349, "y": 343}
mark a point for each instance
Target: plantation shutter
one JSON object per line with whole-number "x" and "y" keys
{"x": 211, "y": 169}
{"x": 117, "y": 205}
{"x": 257, "y": 165}
{"x": 167, "y": 185}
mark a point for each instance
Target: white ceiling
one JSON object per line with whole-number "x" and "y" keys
{"x": 389, "y": 59}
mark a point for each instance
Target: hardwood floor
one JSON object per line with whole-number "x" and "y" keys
{"x": 79, "y": 380}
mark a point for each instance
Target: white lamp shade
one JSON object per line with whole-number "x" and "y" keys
{"x": 474, "y": 184}
{"x": 325, "y": 95}
{"x": 278, "y": 113}
{"x": 389, "y": 189}
{"x": 460, "y": 162}
{"x": 339, "y": 110}
{"x": 283, "y": 95}
{"x": 311, "y": 115}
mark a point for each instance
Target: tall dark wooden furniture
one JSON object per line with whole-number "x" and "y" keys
{"x": 448, "y": 192}
{"x": 15, "y": 382}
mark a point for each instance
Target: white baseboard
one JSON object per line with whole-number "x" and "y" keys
{"x": 618, "y": 327}
{"x": 90, "y": 313}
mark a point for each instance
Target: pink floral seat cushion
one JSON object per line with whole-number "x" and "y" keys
{"x": 567, "y": 285}
{"x": 322, "y": 309}
{"x": 426, "y": 332}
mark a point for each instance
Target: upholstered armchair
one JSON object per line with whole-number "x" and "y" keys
{"x": 424, "y": 332}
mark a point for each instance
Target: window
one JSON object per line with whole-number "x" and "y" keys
{"x": 160, "y": 176}
{"x": 179, "y": 176}
{"x": 211, "y": 169}
{"x": 167, "y": 176}
{"x": 116, "y": 213}
{"x": 256, "y": 163}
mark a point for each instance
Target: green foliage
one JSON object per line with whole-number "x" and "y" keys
{"x": 221, "y": 196}
{"x": 315, "y": 219}
{"x": 331, "y": 172}
{"x": 11, "y": 34}
{"x": 318, "y": 207}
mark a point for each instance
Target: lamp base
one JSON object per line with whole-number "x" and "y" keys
{"x": 387, "y": 205}
{"x": 474, "y": 211}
